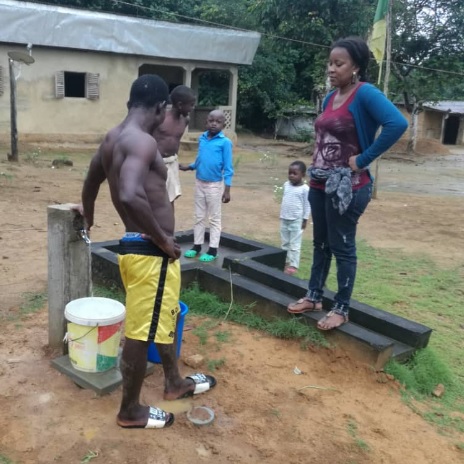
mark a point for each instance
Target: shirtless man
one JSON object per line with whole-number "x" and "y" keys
{"x": 169, "y": 133}
{"x": 148, "y": 254}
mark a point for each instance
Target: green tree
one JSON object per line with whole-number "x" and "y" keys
{"x": 296, "y": 67}
{"x": 427, "y": 36}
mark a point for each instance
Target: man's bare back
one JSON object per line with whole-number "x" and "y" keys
{"x": 129, "y": 159}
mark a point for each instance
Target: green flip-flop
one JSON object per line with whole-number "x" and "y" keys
{"x": 191, "y": 253}
{"x": 206, "y": 258}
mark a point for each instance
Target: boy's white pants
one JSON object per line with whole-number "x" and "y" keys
{"x": 291, "y": 234}
{"x": 208, "y": 203}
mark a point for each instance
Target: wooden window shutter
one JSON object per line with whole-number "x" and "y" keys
{"x": 59, "y": 84}
{"x": 2, "y": 84}
{"x": 92, "y": 86}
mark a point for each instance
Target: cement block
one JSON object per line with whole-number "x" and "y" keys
{"x": 101, "y": 383}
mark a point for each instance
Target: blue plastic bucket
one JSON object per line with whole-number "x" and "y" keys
{"x": 153, "y": 355}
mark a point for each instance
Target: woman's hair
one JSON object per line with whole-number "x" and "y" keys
{"x": 358, "y": 51}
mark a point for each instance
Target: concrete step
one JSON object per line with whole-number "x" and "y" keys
{"x": 395, "y": 327}
{"x": 365, "y": 345}
{"x": 252, "y": 271}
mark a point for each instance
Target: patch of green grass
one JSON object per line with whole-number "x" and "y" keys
{"x": 422, "y": 373}
{"x": 414, "y": 287}
{"x": 33, "y": 302}
{"x": 208, "y": 304}
{"x": 360, "y": 443}
{"x": 222, "y": 336}
{"x": 89, "y": 456}
{"x": 6, "y": 175}
{"x": 269, "y": 160}
{"x": 352, "y": 429}
{"x": 32, "y": 157}
{"x": 113, "y": 292}
{"x": 445, "y": 421}
{"x": 236, "y": 162}
{"x": 5, "y": 460}
{"x": 202, "y": 333}
{"x": 213, "y": 364}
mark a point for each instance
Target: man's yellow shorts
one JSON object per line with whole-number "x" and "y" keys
{"x": 152, "y": 286}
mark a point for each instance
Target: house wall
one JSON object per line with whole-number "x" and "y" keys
{"x": 431, "y": 125}
{"x": 42, "y": 116}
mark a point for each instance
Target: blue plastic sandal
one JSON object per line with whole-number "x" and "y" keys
{"x": 206, "y": 258}
{"x": 191, "y": 253}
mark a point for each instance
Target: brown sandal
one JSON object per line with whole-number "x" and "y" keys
{"x": 304, "y": 305}
{"x": 329, "y": 315}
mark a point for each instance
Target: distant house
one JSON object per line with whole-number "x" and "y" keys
{"x": 85, "y": 63}
{"x": 296, "y": 123}
{"x": 442, "y": 121}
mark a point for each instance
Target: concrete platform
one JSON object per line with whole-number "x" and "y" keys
{"x": 373, "y": 335}
{"x": 101, "y": 383}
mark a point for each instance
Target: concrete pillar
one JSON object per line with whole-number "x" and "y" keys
{"x": 195, "y": 86}
{"x": 233, "y": 84}
{"x": 69, "y": 268}
{"x": 188, "y": 75}
{"x": 188, "y": 82}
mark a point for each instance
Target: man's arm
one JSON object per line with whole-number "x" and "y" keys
{"x": 95, "y": 177}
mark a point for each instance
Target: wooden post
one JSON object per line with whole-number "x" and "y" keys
{"x": 69, "y": 269}
{"x": 13, "y": 156}
{"x": 385, "y": 86}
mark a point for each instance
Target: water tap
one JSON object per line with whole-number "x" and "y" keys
{"x": 79, "y": 227}
{"x": 82, "y": 233}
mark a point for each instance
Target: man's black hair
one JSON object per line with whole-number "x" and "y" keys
{"x": 182, "y": 94}
{"x": 147, "y": 91}
{"x": 358, "y": 50}
{"x": 300, "y": 165}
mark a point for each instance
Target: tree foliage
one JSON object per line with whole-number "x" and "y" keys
{"x": 290, "y": 65}
{"x": 427, "y": 36}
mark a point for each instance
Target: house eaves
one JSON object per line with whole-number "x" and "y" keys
{"x": 446, "y": 106}
{"x": 54, "y": 26}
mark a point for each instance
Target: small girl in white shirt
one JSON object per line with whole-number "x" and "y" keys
{"x": 294, "y": 215}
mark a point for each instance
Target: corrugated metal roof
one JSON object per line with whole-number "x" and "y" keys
{"x": 53, "y": 26}
{"x": 446, "y": 106}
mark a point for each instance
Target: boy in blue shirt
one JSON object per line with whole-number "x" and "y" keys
{"x": 214, "y": 172}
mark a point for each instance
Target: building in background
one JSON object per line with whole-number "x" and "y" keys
{"x": 85, "y": 62}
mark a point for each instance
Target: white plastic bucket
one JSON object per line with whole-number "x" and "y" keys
{"x": 94, "y": 333}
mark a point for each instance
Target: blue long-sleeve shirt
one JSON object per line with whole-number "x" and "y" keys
{"x": 371, "y": 109}
{"x": 214, "y": 159}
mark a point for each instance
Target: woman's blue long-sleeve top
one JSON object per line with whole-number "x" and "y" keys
{"x": 371, "y": 109}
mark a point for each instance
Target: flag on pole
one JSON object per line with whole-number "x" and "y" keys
{"x": 379, "y": 34}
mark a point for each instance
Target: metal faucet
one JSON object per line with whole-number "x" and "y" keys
{"x": 79, "y": 227}
{"x": 82, "y": 233}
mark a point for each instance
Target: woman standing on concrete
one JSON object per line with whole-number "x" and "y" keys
{"x": 340, "y": 181}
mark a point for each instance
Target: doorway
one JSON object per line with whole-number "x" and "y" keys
{"x": 451, "y": 129}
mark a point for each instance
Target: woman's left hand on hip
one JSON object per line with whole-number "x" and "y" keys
{"x": 352, "y": 163}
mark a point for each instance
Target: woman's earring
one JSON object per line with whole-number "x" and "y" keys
{"x": 354, "y": 77}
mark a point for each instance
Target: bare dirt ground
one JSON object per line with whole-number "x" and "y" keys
{"x": 262, "y": 416}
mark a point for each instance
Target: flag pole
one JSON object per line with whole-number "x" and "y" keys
{"x": 385, "y": 85}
